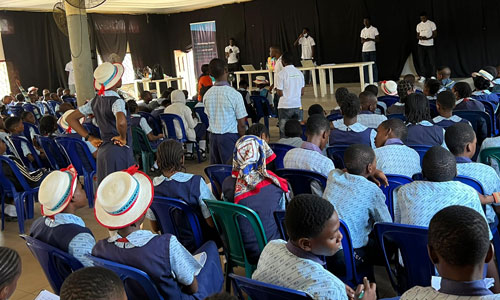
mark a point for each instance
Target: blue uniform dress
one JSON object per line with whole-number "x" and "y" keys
{"x": 110, "y": 157}
{"x": 352, "y": 134}
{"x": 447, "y": 122}
{"x": 425, "y": 133}
{"x": 469, "y": 104}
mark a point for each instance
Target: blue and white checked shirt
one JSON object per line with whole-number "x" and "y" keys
{"x": 278, "y": 266}
{"x": 118, "y": 105}
{"x": 491, "y": 143}
{"x": 417, "y": 202}
{"x": 356, "y": 127}
{"x": 81, "y": 244}
{"x": 359, "y": 202}
{"x": 183, "y": 265}
{"x": 398, "y": 159}
{"x": 224, "y": 106}
{"x": 370, "y": 119}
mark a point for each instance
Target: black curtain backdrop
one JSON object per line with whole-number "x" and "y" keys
{"x": 468, "y": 35}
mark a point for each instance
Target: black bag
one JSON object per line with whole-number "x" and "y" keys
{"x": 157, "y": 72}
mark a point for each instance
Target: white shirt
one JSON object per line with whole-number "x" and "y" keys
{"x": 425, "y": 30}
{"x": 307, "y": 43}
{"x": 233, "y": 57}
{"x": 291, "y": 81}
{"x": 369, "y": 33}
{"x": 71, "y": 76}
{"x": 278, "y": 66}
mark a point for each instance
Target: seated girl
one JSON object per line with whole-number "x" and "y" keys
{"x": 418, "y": 120}
{"x": 138, "y": 121}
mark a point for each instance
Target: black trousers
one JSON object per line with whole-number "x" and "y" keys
{"x": 427, "y": 61}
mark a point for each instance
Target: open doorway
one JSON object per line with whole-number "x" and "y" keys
{"x": 185, "y": 68}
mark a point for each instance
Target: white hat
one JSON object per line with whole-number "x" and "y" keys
{"x": 123, "y": 197}
{"x": 63, "y": 123}
{"x": 261, "y": 80}
{"x": 56, "y": 191}
{"x": 107, "y": 75}
{"x": 486, "y": 75}
{"x": 32, "y": 88}
{"x": 389, "y": 88}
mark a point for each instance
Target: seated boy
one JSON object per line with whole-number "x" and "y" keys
{"x": 458, "y": 247}
{"x": 29, "y": 117}
{"x": 348, "y": 130}
{"x": 93, "y": 283}
{"x": 60, "y": 196}
{"x": 313, "y": 227}
{"x": 443, "y": 76}
{"x": 316, "y": 109}
{"x": 445, "y": 104}
{"x": 122, "y": 201}
{"x": 393, "y": 156}
{"x": 431, "y": 88}
{"x": 359, "y": 202}
{"x": 405, "y": 88}
{"x": 15, "y": 126}
{"x": 138, "y": 121}
{"x": 293, "y": 134}
{"x": 367, "y": 116}
{"x": 463, "y": 92}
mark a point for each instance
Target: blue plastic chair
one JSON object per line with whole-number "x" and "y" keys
{"x": 336, "y": 154}
{"x": 388, "y": 100}
{"x": 471, "y": 182}
{"x": 395, "y": 181}
{"x": 265, "y": 291}
{"x": 397, "y": 116}
{"x": 412, "y": 243}
{"x": 280, "y": 150}
{"x": 18, "y": 141}
{"x": 334, "y": 117}
{"x": 16, "y": 110}
{"x": 56, "y": 264}
{"x": 27, "y": 127}
{"x": 92, "y": 129}
{"x": 304, "y": 137}
{"x": 153, "y": 122}
{"x": 216, "y": 174}
{"x": 300, "y": 180}
{"x": 490, "y": 109}
{"x": 258, "y": 103}
{"x": 23, "y": 200}
{"x": 171, "y": 133}
{"x": 168, "y": 213}
{"x": 57, "y": 158}
{"x": 130, "y": 275}
{"x": 433, "y": 108}
{"x": 421, "y": 150}
{"x": 52, "y": 105}
{"x": 80, "y": 157}
{"x": 480, "y": 121}
{"x": 33, "y": 109}
{"x": 200, "y": 111}
{"x": 70, "y": 100}
{"x": 279, "y": 218}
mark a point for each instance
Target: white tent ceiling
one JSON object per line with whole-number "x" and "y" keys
{"x": 122, "y": 6}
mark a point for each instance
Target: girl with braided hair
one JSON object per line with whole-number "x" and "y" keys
{"x": 10, "y": 271}
{"x": 420, "y": 130}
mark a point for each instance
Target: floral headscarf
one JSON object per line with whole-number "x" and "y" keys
{"x": 251, "y": 155}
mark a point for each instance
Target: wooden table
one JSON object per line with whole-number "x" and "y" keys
{"x": 322, "y": 74}
{"x": 145, "y": 84}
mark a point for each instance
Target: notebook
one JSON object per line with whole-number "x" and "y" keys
{"x": 248, "y": 67}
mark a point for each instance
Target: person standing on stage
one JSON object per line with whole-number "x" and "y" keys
{"x": 276, "y": 53}
{"x": 369, "y": 37}
{"x": 308, "y": 48}
{"x": 232, "y": 56}
{"x": 426, "y": 33}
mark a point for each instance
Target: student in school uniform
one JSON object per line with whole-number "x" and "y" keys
{"x": 348, "y": 130}
{"x": 418, "y": 120}
{"x": 316, "y": 109}
{"x": 136, "y": 120}
{"x": 459, "y": 247}
{"x": 29, "y": 117}
{"x": 405, "y": 88}
{"x": 463, "y": 93}
{"x": 93, "y": 283}
{"x": 313, "y": 228}
{"x": 60, "y": 196}
{"x": 340, "y": 94}
{"x": 445, "y": 104}
{"x": 70, "y": 132}
{"x": 293, "y": 134}
{"x": 122, "y": 201}
{"x": 115, "y": 150}
{"x": 367, "y": 115}
{"x": 259, "y": 130}
{"x": 10, "y": 271}
{"x": 431, "y": 88}
{"x": 443, "y": 76}
{"x": 482, "y": 83}
{"x": 257, "y": 188}
{"x": 393, "y": 156}
{"x": 359, "y": 202}
{"x": 15, "y": 127}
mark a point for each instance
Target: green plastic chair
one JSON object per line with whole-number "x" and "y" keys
{"x": 142, "y": 148}
{"x": 226, "y": 216}
{"x": 488, "y": 154}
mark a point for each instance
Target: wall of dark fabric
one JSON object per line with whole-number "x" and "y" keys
{"x": 110, "y": 33}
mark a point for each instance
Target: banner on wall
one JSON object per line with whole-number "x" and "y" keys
{"x": 204, "y": 45}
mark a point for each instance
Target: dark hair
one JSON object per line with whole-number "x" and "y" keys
{"x": 277, "y": 48}
{"x": 460, "y": 235}
{"x": 92, "y": 283}
{"x": 481, "y": 83}
{"x": 166, "y": 94}
{"x": 316, "y": 124}
{"x": 243, "y": 82}
{"x": 25, "y": 114}
{"x": 48, "y": 125}
{"x": 11, "y": 122}
{"x": 287, "y": 58}
{"x": 186, "y": 93}
{"x": 169, "y": 156}
{"x": 10, "y": 266}
{"x": 306, "y": 29}
{"x": 423, "y": 14}
{"x": 446, "y": 100}
{"x": 145, "y": 93}
{"x": 131, "y": 106}
{"x": 20, "y": 97}
{"x": 232, "y": 39}
{"x": 433, "y": 85}
{"x": 439, "y": 165}
{"x": 340, "y": 94}
{"x": 222, "y": 296}
{"x": 417, "y": 108}
{"x": 458, "y": 136}
{"x": 410, "y": 78}
{"x": 398, "y": 128}
{"x": 367, "y": 18}
{"x": 306, "y": 216}
{"x": 357, "y": 157}
{"x": 372, "y": 89}
{"x": 463, "y": 89}
{"x": 441, "y": 68}
{"x": 365, "y": 97}
{"x": 166, "y": 102}
{"x": 217, "y": 67}
{"x": 315, "y": 109}
{"x": 492, "y": 70}
{"x": 403, "y": 87}
{"x": 204, "y": 69}
{"x": 293, "y": 128}
{"x": 351, "y": 106}
{"x": 257, "y": 129}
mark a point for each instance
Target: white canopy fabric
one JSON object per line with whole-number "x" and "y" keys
{"x": 122, "y": 6}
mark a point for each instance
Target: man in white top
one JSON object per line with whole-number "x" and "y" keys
{"x": 71, "y": 77}
{"x": 232, "y": 56}
{"x": 308, "y": 48}
{"x": 369, "y": 37}
{"x": 275, "y": 52}
{"x": 426, "y": 33}
{"x": 290, "y": 89}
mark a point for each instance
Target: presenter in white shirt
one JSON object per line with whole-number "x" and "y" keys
{"x": 369, "y": 38}
{"x": 426, "y": 33}
{"x": 308, "y": 46}
{"x": 71, "y": 77}
{"x": 232, "y": 56}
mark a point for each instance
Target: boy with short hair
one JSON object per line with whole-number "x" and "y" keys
{"x": 445, "y": 104}
{"x": 136, "y": 120}
{"x": 443, "y": 76}
{"x": 463, "y": 92}
{"x": 313, "y": 227}
{"x": 393, "y": 156}
{"x": 316, "y": 109}
{"x": 431, "y": 88}
{"x": 367, "y": 116}
{"x": 93, "y": 283}
{"x": 15, "y": 126}
{"x": 293, "y": 134}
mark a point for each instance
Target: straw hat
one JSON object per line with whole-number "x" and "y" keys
{"x": 123, "y": 197}
{"x": 486, "y": 75}
{"x": 107, "y": 76}
{"x": 56, "y": 191}
{"x": 63, "y": 123}
{"x": 389, "y": 88}
{"x": 261, "y": 80}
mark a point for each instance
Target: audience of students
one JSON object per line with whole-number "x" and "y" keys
{"x": 445, "y": 105}
{"x": 293, "y": 134}
{"x": 431, "y": 88}
{"x": 136, "y": 120}
{"x": 482, "y": 83}
{"x": 418, "y": 119}
{"x": 405, "y": 88}
{"x": 444, "y": 77}
{"x": 367, "y": 115}
{"x": 463, "y": 93}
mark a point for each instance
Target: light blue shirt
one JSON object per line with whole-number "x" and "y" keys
{"x": 356, "y": 127}
{"x": 183, "y": 265}
{"x": 398, "y": 160}
{"x": 143, "y": 124}
{"x": 278, "y": 266}
{"x": 224, "y": 106}
{"x": 371, "y": 120}
{"x": 359, "y": 202}
{"x": 81, "y": 244}
{"x": 118, "y": 105}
